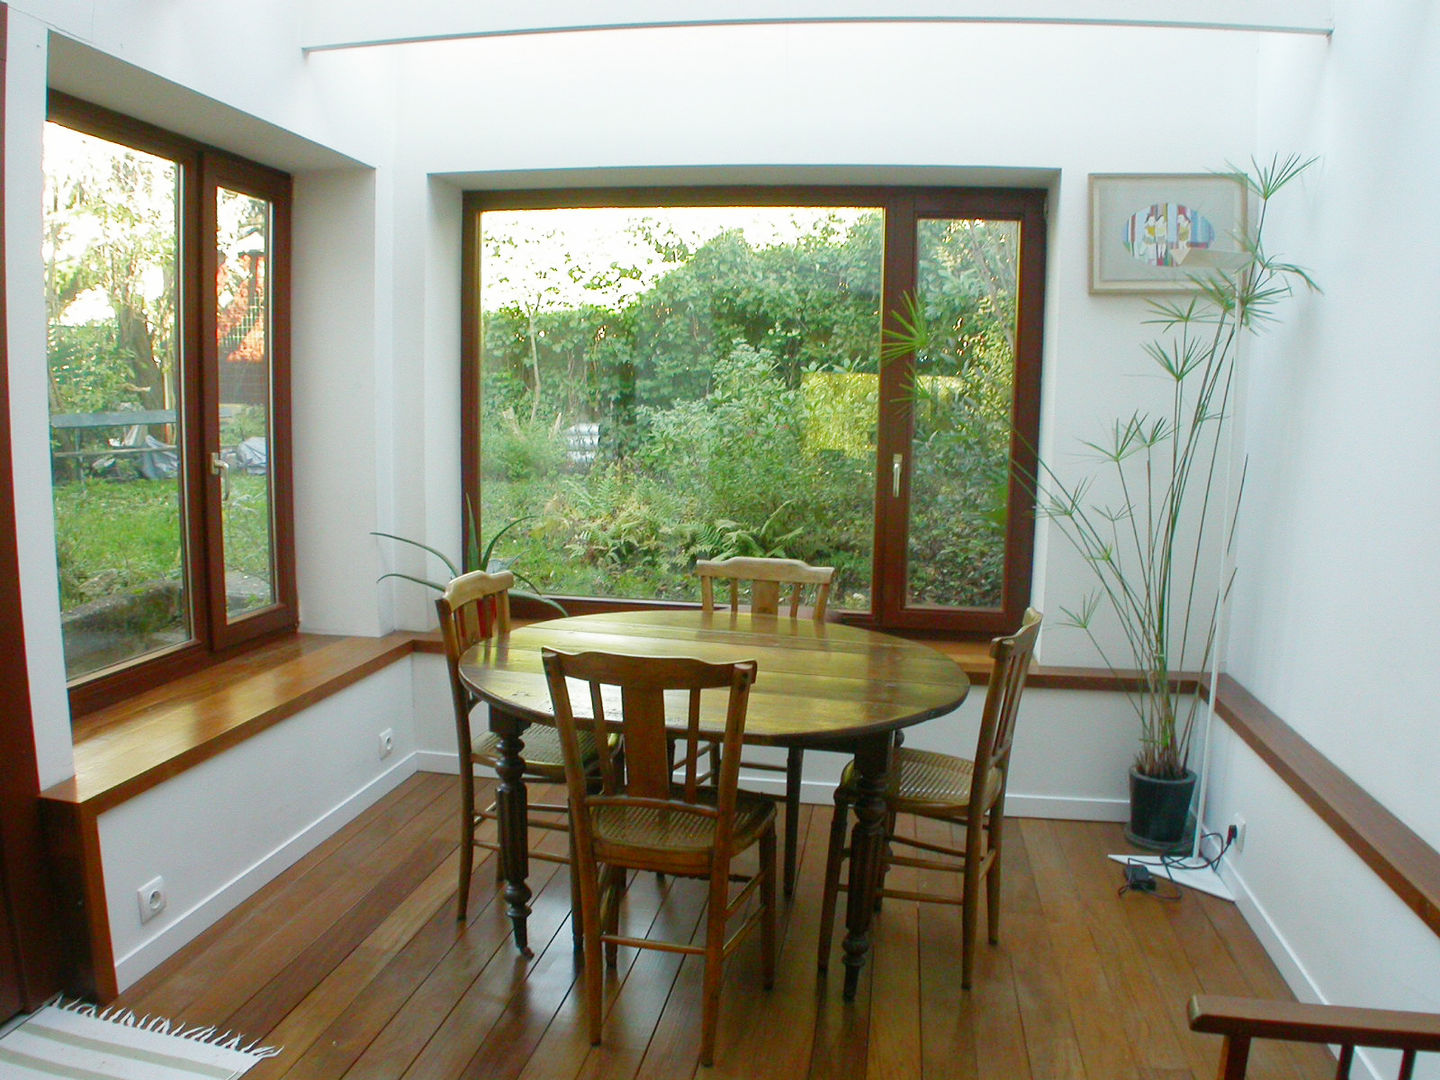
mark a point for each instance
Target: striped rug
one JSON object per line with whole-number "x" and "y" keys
{"x": 79, "y": 1042}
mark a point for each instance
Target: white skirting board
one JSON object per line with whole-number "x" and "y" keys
{"x": 822, "y": 793}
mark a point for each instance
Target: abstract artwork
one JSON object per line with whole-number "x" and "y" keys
{"x": 1157, "y": 233}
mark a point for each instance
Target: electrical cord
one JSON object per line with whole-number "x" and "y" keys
{"x": 1138, "y": 876}
{"x": 1184, "y": 862}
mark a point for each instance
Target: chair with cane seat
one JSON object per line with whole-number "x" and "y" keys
{"x": 642, "y": 819}
{"x": 970, "y": 793}
{"x": 475, "y": 607}
{"x": 767, "y": 577}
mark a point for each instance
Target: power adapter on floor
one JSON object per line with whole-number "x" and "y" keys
{"x": 1139, "y": 878}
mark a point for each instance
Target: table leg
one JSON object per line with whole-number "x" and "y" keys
{"x": 511, "y": 807}
{"x": 867, "y": 845}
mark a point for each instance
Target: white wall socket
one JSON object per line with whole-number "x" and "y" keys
{"x": 1238, "y": 824}
{"x": 387, "y": 743}
{"x": 152, "y": 898}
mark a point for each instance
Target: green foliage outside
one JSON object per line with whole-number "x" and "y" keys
{"x": 111, "y": 248}
{"x": 737, "y": 399}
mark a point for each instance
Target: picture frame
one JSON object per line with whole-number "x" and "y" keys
{"x": 1154, "y": 232}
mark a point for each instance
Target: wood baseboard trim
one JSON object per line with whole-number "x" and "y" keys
{"x": 1389, "y": 847}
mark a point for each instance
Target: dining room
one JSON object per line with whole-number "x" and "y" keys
{"x": 396, "y": 140}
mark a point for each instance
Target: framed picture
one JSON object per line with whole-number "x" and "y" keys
{"x": 1153, "y": 233}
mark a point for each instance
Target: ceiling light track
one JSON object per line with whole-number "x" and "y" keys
{"x": 360, "y": 27}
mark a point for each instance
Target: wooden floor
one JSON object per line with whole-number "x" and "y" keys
{"x": 354, "y": 962}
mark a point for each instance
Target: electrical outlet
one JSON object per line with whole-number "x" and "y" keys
{"x": 152, "y": 898}
{"x": 387, "y": 743}
{"x": 1237, "y": 826}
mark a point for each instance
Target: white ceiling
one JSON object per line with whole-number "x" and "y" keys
{"x": 94, "y": 76}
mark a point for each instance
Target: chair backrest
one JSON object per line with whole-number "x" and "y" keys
{"x": 630, "y": 692}
{"x": 474, "y": 607}
{"x": 766, "y": 576}
{"x": 1240, "y": 1020}
{"x": 1009, "y": 664}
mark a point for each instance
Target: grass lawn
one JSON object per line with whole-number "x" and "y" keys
{"x": 115, "y": 537}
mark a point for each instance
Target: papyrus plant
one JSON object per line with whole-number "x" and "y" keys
{"x": 1149, "y": 542}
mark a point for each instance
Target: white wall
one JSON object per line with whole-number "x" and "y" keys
{"x": 29, "y": 409}
{"x": 338, "y": 415}
{"x": 1334, "y": 620}
{"x": 217, "y": 832}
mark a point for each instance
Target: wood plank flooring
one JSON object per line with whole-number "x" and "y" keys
{"x": 354, "y": 962}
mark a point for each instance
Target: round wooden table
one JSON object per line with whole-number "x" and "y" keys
{"x": 822, "y": 685}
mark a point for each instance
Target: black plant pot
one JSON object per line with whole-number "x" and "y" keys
{"x": 1159, "y": 810}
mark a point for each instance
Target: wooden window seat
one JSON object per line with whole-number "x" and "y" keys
{"x": 128, "y": 748}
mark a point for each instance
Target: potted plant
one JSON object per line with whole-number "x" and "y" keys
{"x": 1147, "y": 518}
{"x": 475, "y": 557}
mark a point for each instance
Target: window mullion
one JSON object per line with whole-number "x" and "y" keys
{"x": 892, "y": 466}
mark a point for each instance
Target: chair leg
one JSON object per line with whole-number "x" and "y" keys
{"x": 992, "y": 879}
{"x": 590, "y": 921}
{"x": 834, "y": 854}
{"x": 614, "y": 889}
{"x": 969, "y": 921}
{"x": 793, "y": 762}
{"x": 714, "y": 965}
{"x": 467, "y": 839}
{"x": 767, "y": 898}
{"x": 577, "y": 930}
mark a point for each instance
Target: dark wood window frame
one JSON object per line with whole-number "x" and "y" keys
{"x": 903, "y": 208}
{"x": 203, "y": 170}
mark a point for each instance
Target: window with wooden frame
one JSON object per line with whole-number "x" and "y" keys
{"x": 848, "y": 376}
{"x": 167, "y": 301}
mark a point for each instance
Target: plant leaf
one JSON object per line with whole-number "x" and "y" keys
{"x": 454, "y": 573}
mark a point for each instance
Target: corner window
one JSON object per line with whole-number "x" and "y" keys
{"x": 843, "y": 376}
{"x": 166, "y": 279}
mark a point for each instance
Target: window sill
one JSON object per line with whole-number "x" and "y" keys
{"x": 129, "y": 747}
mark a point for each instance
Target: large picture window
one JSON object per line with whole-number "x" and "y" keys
{"x": 843, "y": 376}
{"x": 166, "y": 273}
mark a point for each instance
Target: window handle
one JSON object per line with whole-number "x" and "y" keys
{"x": 897, "y": 466}
{"x": 221, "y": 468}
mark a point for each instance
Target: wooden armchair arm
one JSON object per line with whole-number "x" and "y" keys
{"x": 1243, "y": 1019}
{"x": 1292, "y": 1021}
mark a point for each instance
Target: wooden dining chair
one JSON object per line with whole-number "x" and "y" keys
{"x": 643, "y": 819}
{"x": 768, "y": 580}
{"x": 475, "y": 607}
{"x": 959, "y": 791}
{"x": 1241, "y": 1020}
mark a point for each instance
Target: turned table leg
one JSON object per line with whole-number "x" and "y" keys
{"x": 512, "y": 810}
{"x": 867, "y": 844}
